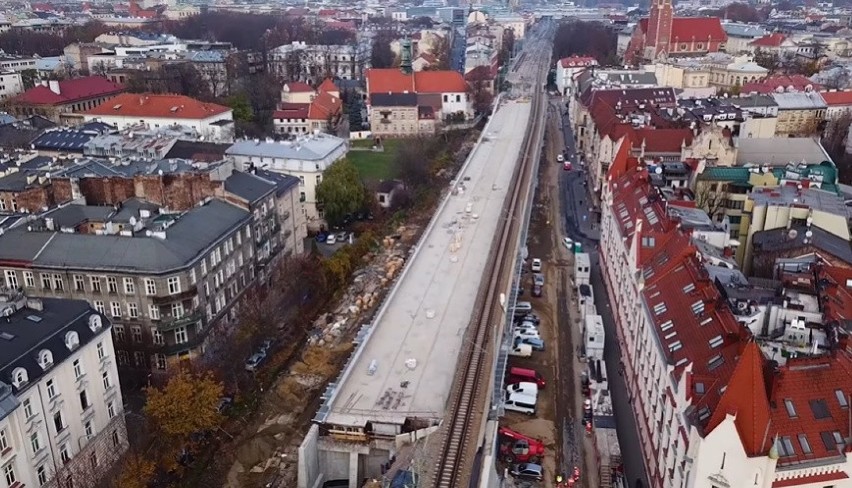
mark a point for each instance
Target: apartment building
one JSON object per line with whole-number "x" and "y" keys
{"x": 305, "y": 158}
{"x": 58, "y": 100}
{"x": 299, "y": 61}
{"x": 61, "y": 419}
{"x": 399, "y": 115}
{"x": 799, "y": 113}
{"x": 168, "y": 280}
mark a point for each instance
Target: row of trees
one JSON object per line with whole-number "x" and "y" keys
{"x": 586, "y": 39}
{"x": 29, "y": 43}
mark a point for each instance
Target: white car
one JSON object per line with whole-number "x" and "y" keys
{"x": 331, "y": 239}
{"x": 560, "y": 158}
{"x": 527, "y": 333}
{"x": 521, "y": 350}
{"x": 536, "y": 265}
{"x": 524, "y": 388}
{"x": 569, "y": 243}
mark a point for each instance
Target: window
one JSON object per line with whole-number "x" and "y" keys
{"x": 51, "y": 389}
{"x": 78, "y": 369}
{"x": 89, "y": 429}
{"x": 158, "y": 337}
{"x": 29, "y": 279}
{"x": 99, "y": 306}
{"x": 58, "y": 421}
{"x": 785, "y": 447}
{"x": 79, "y": 283}
{"x": 177, "y": 310}
{"x": 4, "y": 440}
{"x": 93, "y": 459}
{"x": 174, "y": 285}
{"x": 112, "y": 284}
{"x": 115, "y": 439}
{"x": 150, "y": 287}
{"x": 107, "y": 380}
{"x": 95, "y": 281}
{"x": 111, "y": 409}
{"x": 64, "y": 453}
{"x": 45, "y": 359}
{"x": 160, "y": 359}
{"x": 101, "y": 352}
{"x": 203, "y": 267}
{"x": 129, "y": 286}
{"x": 57, "y": 282}
{"x": 115, "y": 309}
{"x": 42, "y": 475}
{"x": 118, "y": 331}
{"x": 806, "y": 446}
{"x": 139, "y": 359}
{"x": 180, "y": 335}
{"x": 136, "y": 333}
{"x": 9, "y": 474}
{"x": 35, "y": 442}
{"x": 192, "y": 276}
{"x": 122, "y": 356}
{"x": 11, "y": 278}
{"x": 820, "y": 409}
{"x": 841, "y": 398}
{"x": 84, "y": 400}
{"x": 45, "y": 281}
{"x": 28, "y": 408}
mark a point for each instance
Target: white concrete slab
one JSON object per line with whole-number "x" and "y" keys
{"x": 425, "y": 318}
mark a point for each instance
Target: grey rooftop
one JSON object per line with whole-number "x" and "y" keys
{"x": 315, "y": 147}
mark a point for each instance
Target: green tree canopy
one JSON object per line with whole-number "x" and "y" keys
{"x": 341, "y": 191}
{"x": 241, "y": 106}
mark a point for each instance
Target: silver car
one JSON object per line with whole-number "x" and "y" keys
{"x": 254, "y": 361}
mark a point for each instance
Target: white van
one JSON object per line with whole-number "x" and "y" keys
{"x": 517, "y": 402}
{"x": 527, "y": 332}
{"x": 524, "y": 388}
{"x": 521, "y": 350}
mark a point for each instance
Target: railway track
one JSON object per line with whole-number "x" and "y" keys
{"x": 466, "y": 408}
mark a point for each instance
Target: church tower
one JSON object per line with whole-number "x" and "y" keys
{"x": 659, "y": 33}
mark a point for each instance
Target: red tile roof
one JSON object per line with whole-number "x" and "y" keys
{"x": 811, "y": 385}
{"x": 778, "y": 82}
{"x": 745, "y": 398}
{"x": 154, "y": 105}
{"x": 327, "y": 86}
{"x": 662, "y": 140}
{"x": 392, "y": 80}
{"x": 578, "y": 61}
{"x": 70, "y": 91}
{"x": 836, "y": 98}
{"x": 812, "y": 479}
{"x": 687, "y": 28}
{"x": 698, "y": 28}
{"x": 325, "y": 105}
{"x": 770, "y": 40}
{"x": 389, "y": 80}
{"x": 292, "y": 111}
{"x": 298, "y": 87}
{"x": 439, "y": 82}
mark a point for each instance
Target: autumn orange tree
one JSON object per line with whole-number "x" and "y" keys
{"x": 185, "y": 405}
{"x": 136, "y": 472}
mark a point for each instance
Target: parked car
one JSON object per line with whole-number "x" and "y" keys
{"x": 255, "y": 361}
{"x": 521, "y": 350}
{"x": 331, "y": 239}
{"x": 530, "y": 317}
{"x": 538, "y": 279}
{"x": 530, "y": 471}
{"x": 568, "y": 242}
{"x": 536, "y": 265}
{"x": 537, "y": 290}
{"x": 560, "y": 158}
{"x": 224, "y": 403}
{"x": 566, "y": 166}
{"x": 321, "y": 237}
{"x": 527, "y": 333}
{"x": 522, "y": 308}
{"x": 518, "y": 375}
{"x": 524, "y": 388}
{"x": 342, "y": 236}
{"x": 536, "y": 343}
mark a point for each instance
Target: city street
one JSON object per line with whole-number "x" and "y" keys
{"x": 574, "y": 202}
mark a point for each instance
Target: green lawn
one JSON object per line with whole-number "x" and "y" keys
{"x": 372, "y": 165}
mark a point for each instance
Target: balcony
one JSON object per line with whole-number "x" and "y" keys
{"x": 285, "y": 216}
{"x": 177, "y": 297}
{"x": 168, "y": 323}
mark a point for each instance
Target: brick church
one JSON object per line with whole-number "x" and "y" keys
{"x": 662, "y": 35}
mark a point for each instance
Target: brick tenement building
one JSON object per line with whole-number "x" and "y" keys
{"x": 34, "y": 192}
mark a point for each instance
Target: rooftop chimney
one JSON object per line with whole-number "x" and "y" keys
{"x": 54, "y": 86}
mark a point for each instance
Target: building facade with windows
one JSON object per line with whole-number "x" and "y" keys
{"x": 166, "y": 280}
{"x": 61, "y": 410}
{"x": 305, "y": 158}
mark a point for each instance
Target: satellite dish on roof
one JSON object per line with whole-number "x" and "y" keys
{"x": 792, "y": 234}
{"x": 132, "y": 220}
